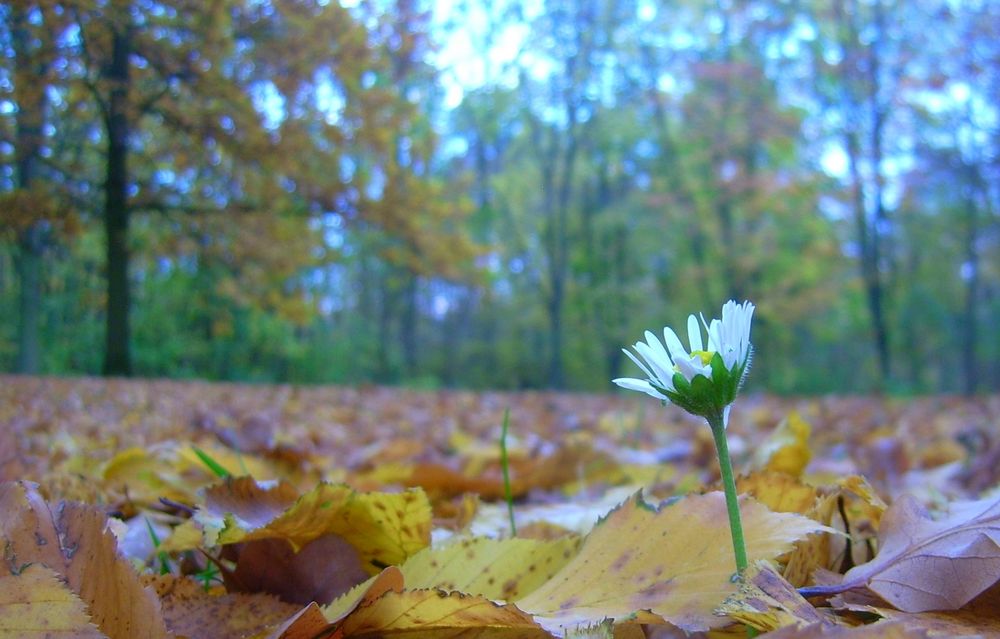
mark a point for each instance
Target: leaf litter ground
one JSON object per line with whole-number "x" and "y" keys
{"x": 153, "y": 508}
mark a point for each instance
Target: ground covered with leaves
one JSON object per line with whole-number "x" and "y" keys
{"x": 166, "y": 509}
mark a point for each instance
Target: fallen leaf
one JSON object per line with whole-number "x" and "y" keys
{"x": 323, "y": 569}
{"x": 926, "y": 564}
{"x": 191, "y": 612}
{"x": 384, "y": 528}
{"x": 881, "y": 630}
{"x": 426, "y": 613}
{"x": 73, "y": 542}
{"x": 786, "y": 450}
{"x": 980, "y": 618}
{"x": 766, "y": 601}
{"x": 850, "y": 506}
{"x": 363, "y": 594}
{"x": 35, "y": 603}
{"x": 779, "y": 491}
{"x": 675, "y": 562}
{"x": 496, "y": 569}
{"x": 308, "y": 623}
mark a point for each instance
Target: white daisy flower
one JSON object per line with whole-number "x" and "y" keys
{"x": 707, "y": 376}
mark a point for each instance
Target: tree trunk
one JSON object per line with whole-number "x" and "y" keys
{"x": 32, "y": 101}
{"x": 117, "y": 356}
{"x": 970, "y": 368}
{"x": 408, "y": 329}
{"x": 29, "y": 272}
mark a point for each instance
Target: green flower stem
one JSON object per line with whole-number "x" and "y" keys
{"x": 729, "y": 486}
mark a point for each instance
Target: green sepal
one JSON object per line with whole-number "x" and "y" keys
{"x": 724, "y": 379}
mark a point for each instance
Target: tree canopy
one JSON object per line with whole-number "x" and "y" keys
{"x": 499, "y": 194}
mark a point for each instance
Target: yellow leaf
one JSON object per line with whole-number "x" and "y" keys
{"x": 767, "y": 602}
{"x": 434, "y": 613}
{"x": 675, "y": 562}
{"x": 496, "y": 569}
{"x": 363, "y": 594}
{"x": 779, "y": 491}
{"x": 787, "y": 449}
{"x": 385, "y": 528}
{"x": 35, "y": 603}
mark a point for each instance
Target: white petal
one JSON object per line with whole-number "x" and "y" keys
{"x": 662, "y": 369}
{"x": 640, "y": 385}
{"x": 674, "y": 344}
{"x": 663, "y": 359}
{"x": 635, "y": 359}
{"x": 715, "y": 336}
{"x": 690, "y": 367}
{"x": 694, "y": 334}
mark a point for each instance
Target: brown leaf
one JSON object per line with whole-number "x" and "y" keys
{"x": 323, "y": 569}
{"x": 981, "y": 618}
{"x": 308, "y": 623}
{"x": 766, "y": 601}
{"x": 191, "y": 612}
{"x": 74, "y": 542}
{"x": 882, "y": 630}
{"x": 926, "y": 564}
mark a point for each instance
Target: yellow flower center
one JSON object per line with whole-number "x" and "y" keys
{"x": 706, "y": 356}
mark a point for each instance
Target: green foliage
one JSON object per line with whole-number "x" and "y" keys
{"x": 644, "y": 164}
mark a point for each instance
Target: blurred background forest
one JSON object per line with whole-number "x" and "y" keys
{"x": 499, "y": 194}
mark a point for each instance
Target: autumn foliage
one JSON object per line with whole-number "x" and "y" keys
{"x": 197, "y": 510}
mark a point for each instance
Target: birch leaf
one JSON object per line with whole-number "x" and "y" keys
{"x": 426, "y": 613}
{"x": 675, "y": 563}
{"x": 496, "y": 569}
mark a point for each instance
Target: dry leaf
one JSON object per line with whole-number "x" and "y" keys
{"x": 384, "y": 528}
{"x": 676, "y": 562}
{"x": 323, "y": 569}
{"x": 980, "y": 618}
{"x": 36, "y": 604}
{"x": 882, "y": 630}
{"x": 429, "y": 613}
{"x": 308, "y": 623}
{"x": 766, "y": 601}
{"x": 191, "y": 612}
{"x": 925, "y": 564}
{"x": 389, "y": 579}
{"x": 496, "y": 569}
{"x": 74, "y": 543}
{"x": 779, "y": 491}
{"x": 786, "y": 450}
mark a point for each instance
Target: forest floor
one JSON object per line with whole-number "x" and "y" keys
{"x": 188, "y": 509}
